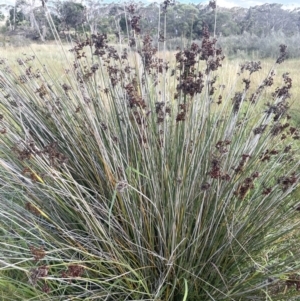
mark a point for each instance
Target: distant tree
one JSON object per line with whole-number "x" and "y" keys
{"x": 72, "y": 14}
{"x": 268, "y": 18}
{"x": 16, "y": 16}
{"x": 122, "y": 24}
{"x": 24, "y": 13}
{"x": 94, "y": 11}
{"x": 226, "y": 25}
{"x": 181, "y": 19}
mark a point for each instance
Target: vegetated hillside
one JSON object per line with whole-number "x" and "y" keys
{"x": 261, "y": 26}
{"x": 264, "y": 19}
{"x": 261, "y": 29}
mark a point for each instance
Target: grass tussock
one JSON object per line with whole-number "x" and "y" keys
{"x": 131, "y": 178}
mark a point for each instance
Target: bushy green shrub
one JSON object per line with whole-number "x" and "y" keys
{"x": 129, "y": 178}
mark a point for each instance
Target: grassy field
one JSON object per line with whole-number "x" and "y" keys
{"x": 52, "y": 56}
{"x": 126, "y": 178}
